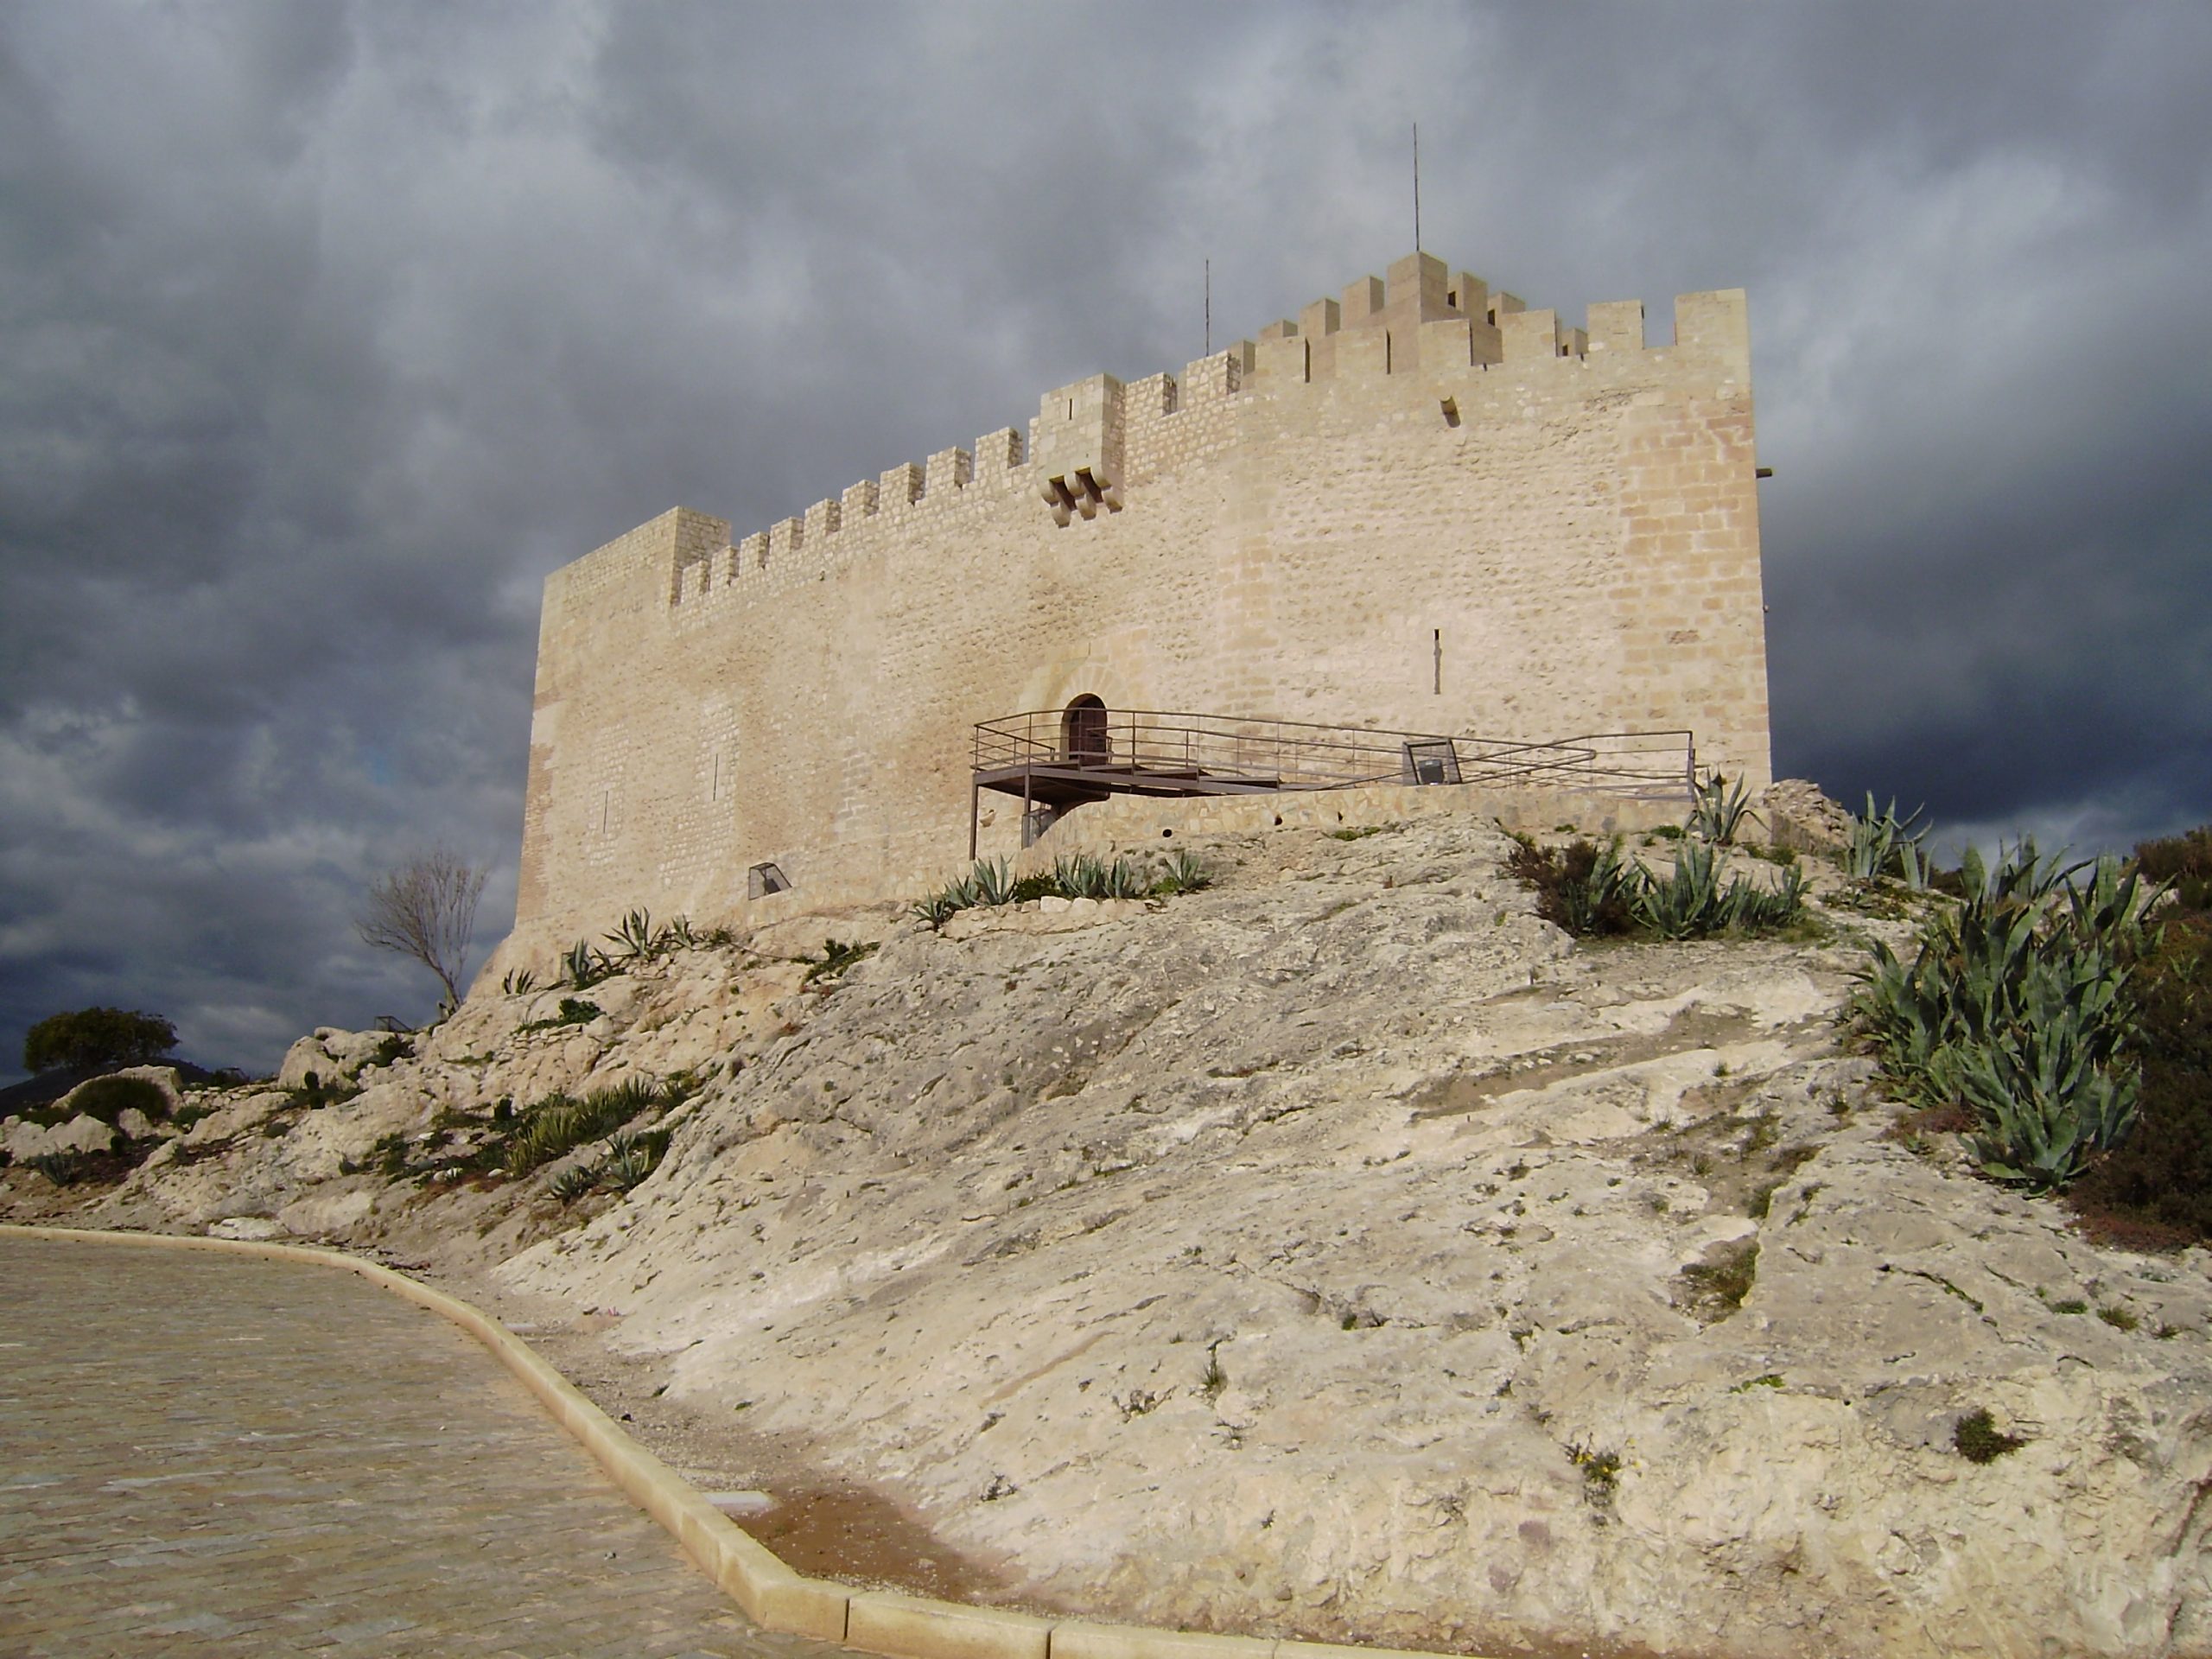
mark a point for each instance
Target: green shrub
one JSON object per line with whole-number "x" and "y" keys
{"x": 837, "y": 956}
{"x": 89, "y": 1038}
{"x": 108, "y": 1098}
{"x": 1584, "y": 888}
{"x": 315, "y": 1093}
{"x": 2156, "y": 1188}
{"x": 2182, "y": 862}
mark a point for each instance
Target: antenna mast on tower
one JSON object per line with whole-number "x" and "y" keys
{"x": 1416, "y": 186}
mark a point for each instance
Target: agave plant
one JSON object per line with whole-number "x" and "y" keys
{"x": 993, "y": 879}
{"x": 570, "y": 1184}
{"x": 937, "y": 908}
{"x": 636, "y": 936}
{"x": 1124, "y": 879}
{"x": 1080, "y": 875}
{"x": 958, "y": 895}
{"x": 1588, "y": 896}
{"x": 2016, "y": 1006}
{"x": 1882, "y": 843}
{"x": 631, "y": 1158}
{"x": 1185, "y": 874}
{"x": 1693, "y": 904}
{"x": 2046, "y": 1105}
{"x": 583, "y": 967}
{"x": 1717, "y": 808}
{"x": 518, "y": 981}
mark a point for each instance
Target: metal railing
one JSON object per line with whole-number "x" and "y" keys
{"x": 1278, "y": 753}
{"x": 1652, "y": 765}
{"x": 1290, "y": 754}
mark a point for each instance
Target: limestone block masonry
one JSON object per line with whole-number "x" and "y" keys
{"x": 1422, "y": 508}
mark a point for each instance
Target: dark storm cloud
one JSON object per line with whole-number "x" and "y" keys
{"x": 326, "y": 331}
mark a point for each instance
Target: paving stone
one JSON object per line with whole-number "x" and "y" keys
{"x": 214, "y": 1455}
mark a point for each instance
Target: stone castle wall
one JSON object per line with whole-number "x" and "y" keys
{"x": 1423, "y": 507}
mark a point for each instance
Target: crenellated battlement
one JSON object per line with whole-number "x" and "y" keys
{"x": 1091, "y": 439}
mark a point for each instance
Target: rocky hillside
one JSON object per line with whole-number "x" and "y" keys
{"x": 1340, "y": 1252}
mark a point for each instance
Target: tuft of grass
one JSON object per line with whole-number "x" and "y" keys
{"x": 1213, "y": 1379}
{"x": 1720, "y": 1285}
{"x": 1977, "y": 1438}
{"x": 1601, "y": 1474}
{"x": 2119, "y": 1317}
{"x": 574, "y": 1011}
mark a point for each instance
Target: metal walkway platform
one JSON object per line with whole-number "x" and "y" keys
{"x": 1058, "y": 758}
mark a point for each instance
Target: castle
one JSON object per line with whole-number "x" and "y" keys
{"x": 1423, "y": 509}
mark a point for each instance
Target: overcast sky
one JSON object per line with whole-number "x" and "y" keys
{"x": 328, "y": 330}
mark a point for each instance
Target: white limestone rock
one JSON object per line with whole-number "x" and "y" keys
{"x": 335, "y": 1057}
{"x": 1308, "y": 1255}
{"x": 26, "y": 1140}
{"x": 257, "y": 1229}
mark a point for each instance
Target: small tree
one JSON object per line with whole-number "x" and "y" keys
{"x": 426, "y": 910}
{"x": 87, "y": 1038}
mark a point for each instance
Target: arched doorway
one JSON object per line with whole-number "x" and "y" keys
{"x": 1082, "y": 733}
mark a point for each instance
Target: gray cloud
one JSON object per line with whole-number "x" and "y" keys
{"x": 327, "y": 331}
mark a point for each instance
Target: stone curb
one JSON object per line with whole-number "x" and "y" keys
{"x": 772, "y": 1594}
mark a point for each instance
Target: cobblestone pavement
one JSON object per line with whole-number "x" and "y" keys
{"x": 206, "y": 1454}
